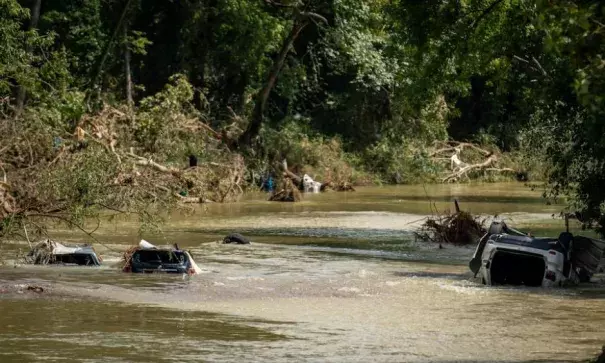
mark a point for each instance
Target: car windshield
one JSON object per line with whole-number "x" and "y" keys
{"x": 158, "y": 256}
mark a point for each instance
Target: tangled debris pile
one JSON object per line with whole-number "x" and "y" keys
{"x": 286, "y": 192}
{"x": 292, "y": 185}
{"x": 117, "y": 161}
{"x": 458, "y": 228}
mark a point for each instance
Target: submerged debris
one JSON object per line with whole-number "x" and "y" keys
{"x": 458, "y": 228}
{"x": 51, "y": 252}
{"x": 37, "y": 289}
{"x": 287, "y": 192}
{"x": 308, "y": 185}
{"x": 237, "y": 239}
{"x": 342, "y": 187}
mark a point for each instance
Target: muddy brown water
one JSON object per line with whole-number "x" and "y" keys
{"x": 336, "y": 278}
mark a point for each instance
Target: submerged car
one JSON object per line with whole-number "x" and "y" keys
{"x": 147, "y": 258}
{"x": 505, "y": 256}
{"x": 52, "y": 252}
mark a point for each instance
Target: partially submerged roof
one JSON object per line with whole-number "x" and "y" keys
{"x": 51, "y": 252}
{"x": 146, "y": 246}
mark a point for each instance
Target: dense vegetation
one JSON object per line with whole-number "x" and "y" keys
{"x": 101, "y": 102}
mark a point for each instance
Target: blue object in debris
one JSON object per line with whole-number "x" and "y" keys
{"x": 269, "y": 184}
{"x": 57, "y": 141}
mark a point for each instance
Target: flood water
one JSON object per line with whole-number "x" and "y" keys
{"x": 336, "y": 278}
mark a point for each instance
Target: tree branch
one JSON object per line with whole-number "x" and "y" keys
{"x": 480, "y": 166}
{"x": 484, "y": 13}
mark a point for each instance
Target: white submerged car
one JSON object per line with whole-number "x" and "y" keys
{"x": 505, "y": 256}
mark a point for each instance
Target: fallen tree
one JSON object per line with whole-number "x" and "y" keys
{"x": 479, "y": 160}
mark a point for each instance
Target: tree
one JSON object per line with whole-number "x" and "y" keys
{"x": 302, "y": 17}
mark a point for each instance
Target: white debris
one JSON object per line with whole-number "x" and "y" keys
{"x": 310, "y": 185}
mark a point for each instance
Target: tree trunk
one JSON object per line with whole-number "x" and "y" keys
{"x": 98, "y": 70}
{"x": 32, "y": 25}
{"x": 129, "y": 98}
{"x": 261, "y": 101}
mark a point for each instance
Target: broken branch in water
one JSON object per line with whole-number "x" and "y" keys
{"x": 462, "y": 168}
{"x": 463, "y": 171}
{"x": 459, "y": 228}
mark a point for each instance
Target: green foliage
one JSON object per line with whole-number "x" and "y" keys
{"x": 311, "y": 153}
{"x": 14, "y": 60}
{"x": 160, "y": 114}
{"x": 80, "y": 27}
{"x": 19, "y": 66}
{"x": 372, "y": 89}
{"x": 403, "y": 162}
{"x": 358, "y": 42}
{"x": 62, "y": 112}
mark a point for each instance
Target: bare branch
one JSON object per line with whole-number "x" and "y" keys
{"x": 27, "y": 236}
{"x": 521, "y": 59}
{"x": 4, "y": 179}
{"x": 539, "y": 66}
{"x": 486, "y": 165}
{"x": 453, "y": 145}
{"x": 314, "y": 17}
{"x": 148, "y": 162}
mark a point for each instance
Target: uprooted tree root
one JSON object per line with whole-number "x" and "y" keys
{"x": 287, "y": 192}
{"x": 458, "y": 228}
